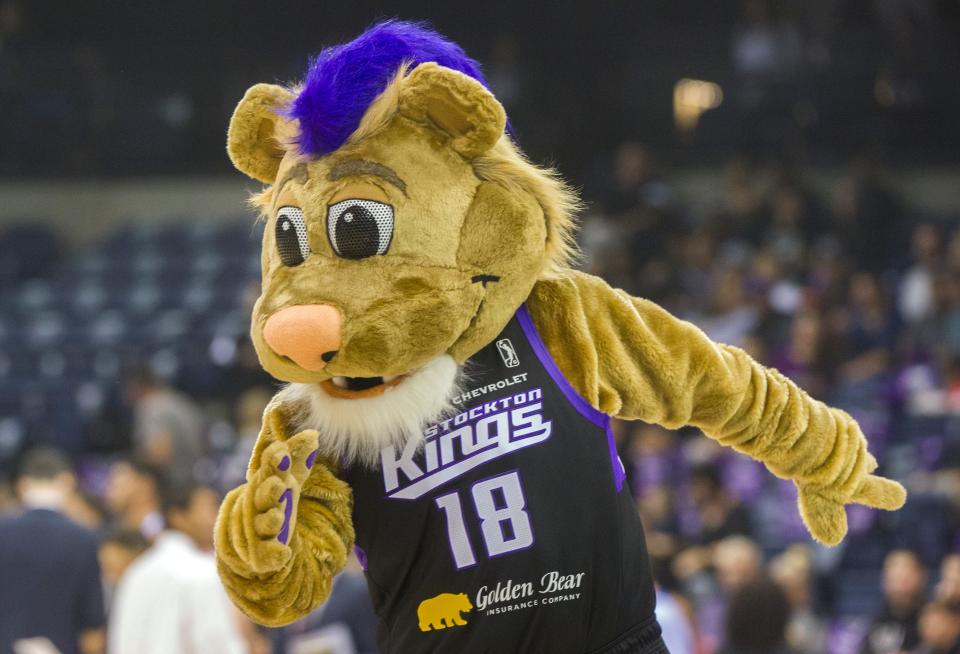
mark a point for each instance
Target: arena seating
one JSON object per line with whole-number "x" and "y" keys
{"x": 171, "y": 294}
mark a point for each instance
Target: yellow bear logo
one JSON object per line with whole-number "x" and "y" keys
{"x": 443, "y": 611}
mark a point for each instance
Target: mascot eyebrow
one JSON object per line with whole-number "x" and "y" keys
{"x": 363, "y": 167}
{"x": 299, "y": 173}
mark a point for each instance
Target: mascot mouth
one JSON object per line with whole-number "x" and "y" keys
{"x": 356, "y": 426}
{"x": 354, "y": 388}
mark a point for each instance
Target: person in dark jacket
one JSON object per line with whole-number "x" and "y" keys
{"x": 895, "y": 628}
{"x": 345, "y": 623}
{"x": 757, "y": 619}
{"x": 939, "y": 629}
{"x": 50, "y": 585}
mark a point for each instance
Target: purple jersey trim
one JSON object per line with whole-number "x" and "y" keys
{"x": 594, "y": 415}
{"x": 619, "y": 474}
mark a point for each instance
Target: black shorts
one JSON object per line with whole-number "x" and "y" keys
{"x": 642, "y": 639}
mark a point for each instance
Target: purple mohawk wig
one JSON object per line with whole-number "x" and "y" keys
{"x": 343, "y": 80}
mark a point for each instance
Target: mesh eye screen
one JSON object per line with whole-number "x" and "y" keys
{"x": 292, "y": 242}
{"x": 360, "y": 228}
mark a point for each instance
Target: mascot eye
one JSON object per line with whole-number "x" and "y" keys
{"x": 292, "y": 242}
{"x": 360, "y": 228}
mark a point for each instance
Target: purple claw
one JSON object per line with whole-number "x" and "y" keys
{"x": 287, "y": 500}
{"x": 361, "y": 556}
{"x": 312, "y": 458}
{"x": 284, "y": 463}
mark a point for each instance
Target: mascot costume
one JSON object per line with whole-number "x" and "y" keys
{"x": 452, "y": 378}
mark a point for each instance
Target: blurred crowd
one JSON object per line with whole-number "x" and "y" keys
{"x": 129, "y": 362}
{"x": 851, "y": 292}
{"x": 855, "y": 296}
{"x": 97, "y": 89}
{"x": 133, "y": 572}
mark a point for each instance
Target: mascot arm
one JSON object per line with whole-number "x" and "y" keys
{"x": 632, "y": 359}
{"x": 282, "y": 536}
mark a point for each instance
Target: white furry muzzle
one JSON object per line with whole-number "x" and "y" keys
{"x": 356, "y": 430}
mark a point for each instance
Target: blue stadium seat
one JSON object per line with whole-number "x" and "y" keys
{"x": 28, "y": 250}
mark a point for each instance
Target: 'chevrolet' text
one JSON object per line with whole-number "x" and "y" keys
{"x": 463, "y": 442}
{"x": 490, "y": 388}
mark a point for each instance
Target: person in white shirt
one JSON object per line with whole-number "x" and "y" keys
{"x": 170, "y": 600}
{"x": 678, "y": 634}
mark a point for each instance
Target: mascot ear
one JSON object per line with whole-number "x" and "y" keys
{"x": 253, "y": 140}
{"x": 456, "y": 105}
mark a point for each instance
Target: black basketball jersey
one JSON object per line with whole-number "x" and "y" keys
{"x": 509, "y": 528}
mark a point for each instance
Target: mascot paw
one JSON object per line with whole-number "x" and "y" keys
{"x": 825, "y": 517}
{"x": 273, "y": 494}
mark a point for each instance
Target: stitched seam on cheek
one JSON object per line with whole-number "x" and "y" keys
{"x": 406, "y": 262}
{"x": 393, "y": 261}
{"x": 465, "y": 220}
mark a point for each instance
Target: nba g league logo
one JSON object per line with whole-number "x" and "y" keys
{"x": 508, "y": 353}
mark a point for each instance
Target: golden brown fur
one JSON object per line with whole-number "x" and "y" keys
{"x": 631, "y": 359}
{"x": 471, "y": 206}
{"x": 504, "y": 165}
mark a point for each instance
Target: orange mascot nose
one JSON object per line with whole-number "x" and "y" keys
{"x": 309, "y": 334}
